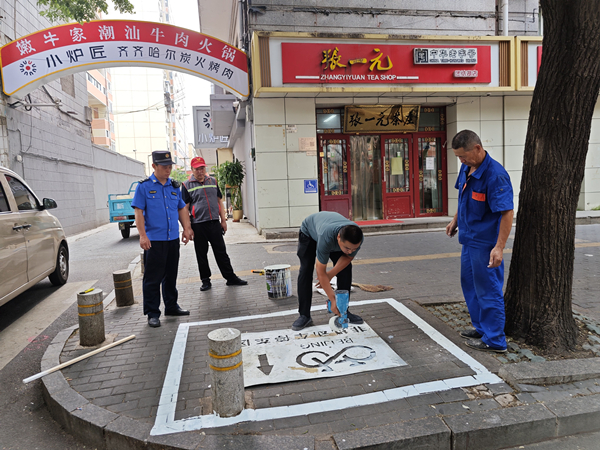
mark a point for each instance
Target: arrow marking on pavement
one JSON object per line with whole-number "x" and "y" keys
{"x": 264, "y": 365}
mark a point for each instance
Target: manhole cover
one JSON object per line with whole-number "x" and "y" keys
{"x": 292, "y": 248}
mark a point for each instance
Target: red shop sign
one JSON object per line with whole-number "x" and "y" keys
{"x": 325, "y": 63}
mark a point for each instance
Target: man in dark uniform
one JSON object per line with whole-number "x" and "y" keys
{"x": 209, "y": 223}
{"x": 158, "y": 207}
{"x": 326, "y": 235}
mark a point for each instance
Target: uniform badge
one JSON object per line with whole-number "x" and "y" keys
{"x": 153, "y": 192}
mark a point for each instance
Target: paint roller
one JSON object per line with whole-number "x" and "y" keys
{"x": 342, "y": 300}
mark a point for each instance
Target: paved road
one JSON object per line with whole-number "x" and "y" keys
{"x": 31, "y": 321}
{"x": 422, "y": 264}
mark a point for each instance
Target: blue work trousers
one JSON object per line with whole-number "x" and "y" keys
{"x": 161, "y": 262}
{"x": 482, "y": 289}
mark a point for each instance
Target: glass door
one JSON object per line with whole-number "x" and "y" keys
{"x": 333, "y": 174}
{"x": 397, "y": 192}
{"x": 365, "y": 157}
{"x": 432, "y": 169}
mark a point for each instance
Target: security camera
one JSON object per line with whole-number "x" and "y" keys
{"x": 236, "y": 104}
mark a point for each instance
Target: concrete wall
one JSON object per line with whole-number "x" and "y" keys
{"x": 52, "y": 148}
{"x": 280, "y": 167}
{"x": 453, "y": 17}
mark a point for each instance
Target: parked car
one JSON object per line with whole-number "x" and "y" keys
{"x": 33, "y": 244}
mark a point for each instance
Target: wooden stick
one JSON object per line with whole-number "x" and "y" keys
{"x": 79, "y": 358}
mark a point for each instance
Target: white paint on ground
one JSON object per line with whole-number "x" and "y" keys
{"x": 316, "y": 352}
{"x": 27, "y": 328}
{"x": 165, "y": 422}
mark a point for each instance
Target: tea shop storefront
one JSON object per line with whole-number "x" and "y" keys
{"x": 382, "y": 162}
{"x": 368, "y": 120}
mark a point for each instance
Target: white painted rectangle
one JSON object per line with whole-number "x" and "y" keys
{"x": 317, "y": 352}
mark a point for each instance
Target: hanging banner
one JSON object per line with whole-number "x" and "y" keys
{"x": 381, "y": 118}
{"x": 28, "y": 62}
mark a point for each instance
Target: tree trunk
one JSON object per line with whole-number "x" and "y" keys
{"x": 539, "y": 288}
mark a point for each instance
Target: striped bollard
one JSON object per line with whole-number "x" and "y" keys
{"x": 123, "y": 287}
{"x": 225, "y": 351}
{"x": 91, "y": 317}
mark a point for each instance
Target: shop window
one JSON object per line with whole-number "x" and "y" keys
{"x": 432, "y": 118}
{"x": 330, "y": 120}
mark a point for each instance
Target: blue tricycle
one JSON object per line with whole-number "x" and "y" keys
{"x": 121, "y": 211}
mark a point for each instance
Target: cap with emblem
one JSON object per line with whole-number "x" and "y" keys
{"x": 162, "y": 158}
{"x": 198, "y": 162}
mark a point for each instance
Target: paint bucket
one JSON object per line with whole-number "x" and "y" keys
{"x": 279, "y": 280}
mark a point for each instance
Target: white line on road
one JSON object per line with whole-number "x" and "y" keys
{"x": 165, "y": 422}
{"x": 26, "y": 328}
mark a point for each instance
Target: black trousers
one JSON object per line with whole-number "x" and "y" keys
{"x": 307, "y": 252}
{"x": 161, "y": 263}
{"x": 205, "y": 232}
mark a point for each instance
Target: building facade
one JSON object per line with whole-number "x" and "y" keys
{"x": 149, "y": 103}
{"x": 353, "y": 108}
{"x": 46, "y": 136}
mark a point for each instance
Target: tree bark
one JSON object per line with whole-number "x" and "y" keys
{"x": 539, "y": 288}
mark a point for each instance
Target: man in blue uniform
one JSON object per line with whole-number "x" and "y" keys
{"x": 158, "y": 208}
{"x": 325, "y": 235}
{"x": 209, "y": 223}
{"x": 484, "y": 220}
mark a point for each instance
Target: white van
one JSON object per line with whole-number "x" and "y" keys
{"x": 33, "y": 244}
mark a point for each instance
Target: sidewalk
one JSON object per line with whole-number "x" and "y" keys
{"x": 154, "y": 392}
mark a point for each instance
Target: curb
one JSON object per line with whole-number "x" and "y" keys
{"x": 496, "y": 429}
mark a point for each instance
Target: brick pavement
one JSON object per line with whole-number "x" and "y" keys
{"x": 127, "y": 380}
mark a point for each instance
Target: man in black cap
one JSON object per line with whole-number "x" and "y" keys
{"x": 158, "y": 208}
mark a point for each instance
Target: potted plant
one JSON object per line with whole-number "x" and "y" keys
{"x": 231, "y": 174}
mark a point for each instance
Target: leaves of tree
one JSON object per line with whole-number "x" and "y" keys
{"x": 80, "y": 10}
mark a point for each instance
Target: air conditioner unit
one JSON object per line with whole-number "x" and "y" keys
{"x": 87, "y": 113}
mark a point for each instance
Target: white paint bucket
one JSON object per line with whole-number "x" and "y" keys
{"x": 279, "y": 280}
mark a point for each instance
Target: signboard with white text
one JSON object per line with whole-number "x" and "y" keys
{"x": 35, "y": 59}
{"x": 317, "y": 352}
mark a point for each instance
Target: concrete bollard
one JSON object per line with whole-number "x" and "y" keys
{"x": 91, "y": 317}
{"x": 123, "y": 287}
{"x": 142, "y": 261}
{"x": 225, "y": 351}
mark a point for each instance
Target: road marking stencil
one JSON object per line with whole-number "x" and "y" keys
{"x": 317, "y": 352}
{"x": 166, "y": 423}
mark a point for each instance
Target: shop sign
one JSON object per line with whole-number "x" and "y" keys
{"x": 36, "y": 59}
{"x": 381, "y": 118}
{"x": 445, "y": 55}
{"x": 204, "y": 136}
{"x": 326, "y": 63}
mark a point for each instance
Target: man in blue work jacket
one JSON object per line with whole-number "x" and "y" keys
{"x": 158, "y": 208}
{"x": 484, "y": 219}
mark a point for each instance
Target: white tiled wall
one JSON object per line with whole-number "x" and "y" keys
{"x": 501, "y": 123}
{"x": 281, "y": 167}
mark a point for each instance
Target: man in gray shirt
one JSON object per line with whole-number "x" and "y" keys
{"x": 325, "y": 235}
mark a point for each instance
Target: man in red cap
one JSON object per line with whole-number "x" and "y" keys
{"x": 209, "y": 223}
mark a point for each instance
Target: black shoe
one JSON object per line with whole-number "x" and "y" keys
{"x": 154, "y": 322}
{"x": 301, "y": 322}
{"x": 205, "y": 286}
{"x": 236, "y": 282}
{"x": 478, "y": 344}
{"x": 177, "y": 312}
{"x": 354, "y": 319}
{"x": 470, "y": 334}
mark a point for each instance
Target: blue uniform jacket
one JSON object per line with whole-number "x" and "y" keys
{"x": 160, "y": 205}
{"x": 481, "y": 199}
